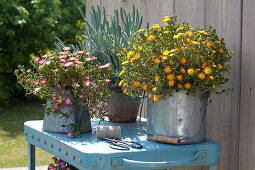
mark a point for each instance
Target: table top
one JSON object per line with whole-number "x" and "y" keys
{"x": 87, "y": 152}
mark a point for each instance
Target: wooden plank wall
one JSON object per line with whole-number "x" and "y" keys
{"x": 224, "y": 116}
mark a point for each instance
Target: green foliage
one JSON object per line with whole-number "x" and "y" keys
{"x": 28, "y": 28}
{"x": 107, "y": 38}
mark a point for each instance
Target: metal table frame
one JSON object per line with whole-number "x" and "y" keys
{"x": 88, "y": 153}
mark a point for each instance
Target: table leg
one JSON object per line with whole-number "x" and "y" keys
{"x": 31, "y": 157}
{"x": 213, "y": 167}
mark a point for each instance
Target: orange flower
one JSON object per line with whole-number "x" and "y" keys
{"x": 136, "y": 83}
{"x": 187, "y": 86}
{"x": 189, "y": 40}
{"x": 183, "y": 71}
{"x": 157, "y": 61}
{"x": 170, "y": 83}
{"x": 220, "y": 66}
{"x": 204, "y": 63}
{"x": 151, "y": 37}
{"x": 179, "y": 77}
{"x": 207, "y": 70}
{"x": 164, "y": 57}
{"x": 125, "y": 91}
{"x": 150, "y": 96}
{"x": 190, "y": 71}
{"x": 228, "y": 68}
{"x": 189, "y": 33}
{"x": 170, "y": 77}
{"x": 135, "y": 57}
{"x": 201, "y": 75}
{"x": 179, "y": 86}
{"x": 144, "y": 87}
{"x": 213, "y": 51}
{"x": 221, "y": 50}
{"x": 211, "y": 77}
{"x": 155, "y": 99}
{"x": 151, "y": 83}
{"x": 183, "y": 60}
{"x": 208, "y": 44}
{"x": 167, "y": 69}
{"x": 157, "y": 77}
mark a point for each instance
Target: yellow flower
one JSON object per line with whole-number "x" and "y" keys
{"x": 179, "y": 86}
{"x": 129, "y": 54}
{"x": 125, "y": 62}
{"x": 228, "y": 68}
{"x": 201, "y": 32}
{"x": 189, "y": 33}
{"x": 181, "y": 28}
{"x": 190, "y": 71}
{"x": 220, "y": 66}
{"x": 194, "y": 42}
{"x": 179, "y": 77}
{"x": 140, "y": 47}
{"x": 155, "y": 99}
{"x": 164, "y": 57}
{"x": 144, "y": 87}
{"x": 166, "y": 52}
{"x": 183, "y": 71}
{"x": 166, "y": 19}
{"x": 180, "y": 33}
{"x": 157, "y": 61}
{"x": 167, "y": 69}
{"x": 154, "y": 88}
{"x": 156, "y": 26}
{"x": 157, "y": 77}
{"x": 211, "y": 77}
{"x": 218, "y": 42}
{"x": 214, "y": 87}
{"x": 170, "y": 83}
{"x": 189, "y": 40}
{"x": 187, "y": 86}
{"x": 125, "y": 91}
{"x": 170, "y": 77}
{"x": 201, "y": 75}
{"x": 232, "y": 52}
{"x": 176, "y": 36}
{"x": 151, "y": 37}
{"x": 173, "y": 50}
{"x": 150, "y": 96}
{"x": 137, "y": 83}
{"x": 208, "y": 44}
{"x": 121, "y": 82}
{"x": 214, "y": 65}
{"x": 166, "y": 32}
{"x": 145, "y": 35}
{"x": 121, "y": 72}
{"x": 183, "y": 60}
{"x": 140, "y": 30}
{"x": 207, "y": 70}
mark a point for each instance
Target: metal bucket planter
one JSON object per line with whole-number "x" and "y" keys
{"x": 78, "y": 118}
{"x": 180, "y": 116}
{"x": 122, "y": 109}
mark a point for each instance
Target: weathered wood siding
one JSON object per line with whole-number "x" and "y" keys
{"x": 231, "y": 117}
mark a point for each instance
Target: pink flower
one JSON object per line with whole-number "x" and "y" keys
{"x": 60, "y": 101}
{"x": 105, "y": 66}
{"x": 107, "y": 80}
{"x": 86, "y": 53}
{"x": 73, "y": 58}
{"x": 29, "y": 70}
{"x": 55, "y": 107}
{"x": 37, "y": 90}
{"x": 56, "y": 70}
{"x": 69, "y": 134}
{"x": 47, "y": 62}
{"x": 61, "y": 52}
{"x": 77, "y": 62}
{"x": 68, "y": 101}
{"x": 42, "y": 61}
{"x": 44, "y": 56}
{"x": 68, "y": 64}
{"x": 88, "y": 59}
{"x": 63, "y": 56}
{"x": 52, "y": 57}
{"x": 94, "y": 58}
{"x": 66, "y": 48}
{"x": 40, "y": 67}
{"x": 87, "y": 77}
{"x": 36, "y": 59}
{"x": 52, "y": 168}
{"x": 67, "y": 69}
{"x": 54, "y": 98}
{"x": 36, "y": 82}
{"x": 80, "y": 52}
{"x": 43, "y": 81}
{"x": 87, "y": 83}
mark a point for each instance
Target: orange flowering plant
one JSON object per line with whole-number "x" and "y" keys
{"x": 54, "y": 73}
{"x": 164, "y": 59}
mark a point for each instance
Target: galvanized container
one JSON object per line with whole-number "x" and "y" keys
{"x": 77, "y": 114}
{"x": 180, "y": 116}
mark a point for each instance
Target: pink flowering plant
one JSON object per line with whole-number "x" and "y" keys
{"x": 52, "y": 74}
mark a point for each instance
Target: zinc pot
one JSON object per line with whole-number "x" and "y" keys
{"x": 123, "y": 109}
{"x": 77, "y": 118}
{"x": 179, "y": 116}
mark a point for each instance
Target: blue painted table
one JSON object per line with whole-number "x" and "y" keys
{"x": 89, "y": 153}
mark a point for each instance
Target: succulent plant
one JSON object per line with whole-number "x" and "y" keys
{"x": 107, "y": 38}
